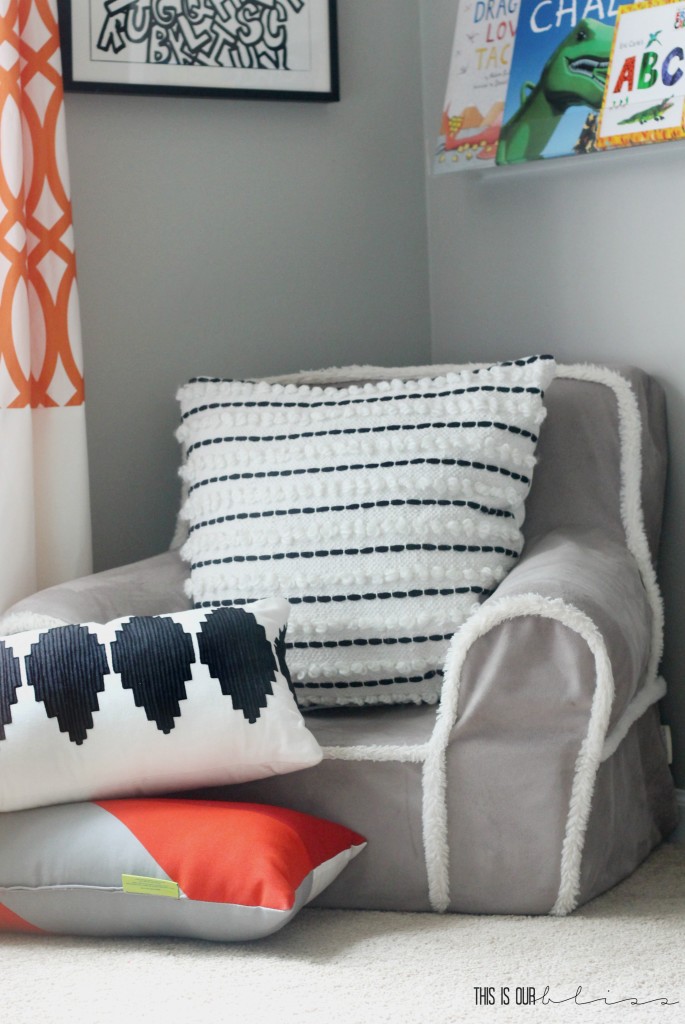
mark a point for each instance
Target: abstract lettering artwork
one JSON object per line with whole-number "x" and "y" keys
{"x": 251, "y": 48}
{"x": 242, "y": 35}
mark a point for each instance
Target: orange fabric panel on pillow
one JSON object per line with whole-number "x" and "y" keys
{"x": 250, "y": 855}
{"x": 11, "y": 922}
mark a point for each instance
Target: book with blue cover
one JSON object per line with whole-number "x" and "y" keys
{"x": 557, "y": 79}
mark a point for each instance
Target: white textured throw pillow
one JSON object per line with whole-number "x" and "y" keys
{"x": 148, "y": 704}
{"x": 383, "y": 512}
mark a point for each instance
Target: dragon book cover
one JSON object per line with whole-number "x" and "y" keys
{"x": 477, "y": 84}
{"x": 558, "y": 75}
{"x": 644, "y": 101}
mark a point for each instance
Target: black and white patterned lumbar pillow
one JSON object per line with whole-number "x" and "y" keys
{"x": 145, "y": 705}
{"x": 383, "y": 512}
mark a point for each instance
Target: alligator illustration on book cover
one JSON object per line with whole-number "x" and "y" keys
{"x": 654, "y": 113}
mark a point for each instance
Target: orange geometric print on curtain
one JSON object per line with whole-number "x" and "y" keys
{"x": 44, "y": 513}
{"x": 39, "y": 272}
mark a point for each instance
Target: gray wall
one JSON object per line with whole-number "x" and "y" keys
{"x": 579, "y": 257}
{"x": 238, "y": 238}
{"x": 232, "y": 237}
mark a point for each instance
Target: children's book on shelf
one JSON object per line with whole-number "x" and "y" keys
{"x": 644, "y": 101}
{"x": 477, "y": 84}
{"x": 558, "y": 74}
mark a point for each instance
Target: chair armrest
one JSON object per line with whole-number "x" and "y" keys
{"x": 148, "y": 587}
{"x": 578, "y": 570}
{"x": 534, "y": 683}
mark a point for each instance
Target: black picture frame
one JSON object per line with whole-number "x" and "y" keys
{"x": 239, "y": 49}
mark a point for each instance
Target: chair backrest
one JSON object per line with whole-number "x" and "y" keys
{"x": 599, "y": 438}
{"x": 605, "y": 430}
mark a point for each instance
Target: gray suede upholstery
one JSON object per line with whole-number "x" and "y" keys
{"x": 533, "y": 821}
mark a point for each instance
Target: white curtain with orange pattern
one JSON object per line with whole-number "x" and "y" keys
{"x": 44, "y": 504}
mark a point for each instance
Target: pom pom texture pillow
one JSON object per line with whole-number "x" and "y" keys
{"x": 383, "y": 512}
{"x": 191, "y": 868}
{"x": 148, "y": 704}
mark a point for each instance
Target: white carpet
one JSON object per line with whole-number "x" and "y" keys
{"x": 330, "y": 967}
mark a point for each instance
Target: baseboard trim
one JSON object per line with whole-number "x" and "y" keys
{"x": 679, "y": 835}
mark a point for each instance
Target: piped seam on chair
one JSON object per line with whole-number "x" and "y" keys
{"x": 648, "y": 695}
{"x": 414, "y": 754}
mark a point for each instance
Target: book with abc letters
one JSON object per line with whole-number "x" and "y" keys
{"x": 644, "y": 101}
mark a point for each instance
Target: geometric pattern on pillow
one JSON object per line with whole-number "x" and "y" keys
{"x": 192, "y": 868}
{"x": 148, "y": 704}
{"x": 383, "y": 512}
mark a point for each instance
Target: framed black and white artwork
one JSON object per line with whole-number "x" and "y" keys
{"x": 253, "y": 49}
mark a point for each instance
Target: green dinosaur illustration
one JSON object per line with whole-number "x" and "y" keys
{"x": 574, "y": 75}
{"x": 655, "y": 113}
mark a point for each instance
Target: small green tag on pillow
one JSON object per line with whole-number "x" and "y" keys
{"x": 150, "y": 886}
